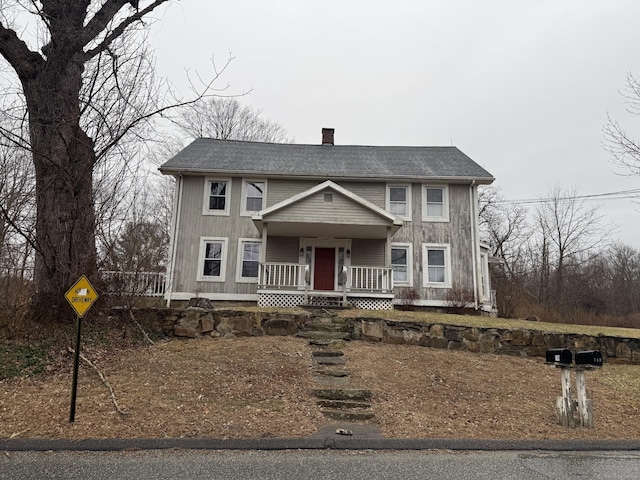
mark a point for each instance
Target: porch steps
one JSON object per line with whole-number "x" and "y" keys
{"x": 336, "y": 398}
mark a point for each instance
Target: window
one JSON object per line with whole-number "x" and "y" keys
{"x": 436, "y": 204}
{"x": 437, "y": 266}
{"x": 212, "y": 262}
{"x": 254, "y": 196}
{"x": 248, "y": 260}
{"x": 217, "y": 193}
{"x": 401, "y": 256}
{"x": 399, "y": 200}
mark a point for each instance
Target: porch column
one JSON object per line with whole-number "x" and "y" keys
{"x": 387, "y": 249}
{"x": 263, "y": 247}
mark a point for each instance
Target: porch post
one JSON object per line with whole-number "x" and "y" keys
{"x": 387, "y": 249}
{"x": 263, "y": 247}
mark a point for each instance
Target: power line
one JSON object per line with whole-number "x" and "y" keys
{"x": 619, "y": 195}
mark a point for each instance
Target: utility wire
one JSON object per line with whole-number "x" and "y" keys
{"x": 619, "y": 195}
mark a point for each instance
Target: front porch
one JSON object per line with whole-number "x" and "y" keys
{"x": 290, "y": 285}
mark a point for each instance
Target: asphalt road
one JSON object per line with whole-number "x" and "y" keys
{"x": 319, "y": 464}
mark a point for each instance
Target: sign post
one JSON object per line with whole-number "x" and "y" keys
{"x": 80, "y": 296}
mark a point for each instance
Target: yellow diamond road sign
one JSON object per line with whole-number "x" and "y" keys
{"x": 81, "y": 296}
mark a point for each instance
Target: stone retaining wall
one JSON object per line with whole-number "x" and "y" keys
{"x": 196, "y": 322}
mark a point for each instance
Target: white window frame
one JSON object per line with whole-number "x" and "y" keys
{"x": 201, "y": 277}
{"x": 409, "y": 248}
{"x": 425, "y": 265}
{"x": 407, "y": 186}
{"x": 486, "y": 279}
{"x": 245, "y": 191}
{"x": 241, "y": 242}
{"x": 445, "y": 204}
{"x": 207, "y": 193}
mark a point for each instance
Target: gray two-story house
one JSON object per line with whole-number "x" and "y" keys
{"x": 287, "y": 224}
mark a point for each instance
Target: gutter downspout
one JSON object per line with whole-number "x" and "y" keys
{"x": 174, "y": 233}
{"x": 472, "y": 218}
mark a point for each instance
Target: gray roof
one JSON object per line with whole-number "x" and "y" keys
{"x": 207, "y": 155}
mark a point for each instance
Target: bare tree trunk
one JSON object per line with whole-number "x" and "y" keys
{"x": 64, "y": 157}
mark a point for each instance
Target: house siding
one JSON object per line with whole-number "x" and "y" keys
{"x": 367, "y": 253}
{"x": 282, "y": 189}
{"x": 456, "y": 233}
{"x": 194, "y": 225}
{"x": 315, "y": 209}
{"x": 283, "y": 249}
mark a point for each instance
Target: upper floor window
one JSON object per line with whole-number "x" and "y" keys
{"x": 437, "y": 265}
{"x": 248, "y": 260}
{"x": 435, "y": 206}
{"x": 217, "y": 195}
{"x": 253, "y": 196}
{"x": 212, "y": 261}
{"x": 401, "y": 263}
{"x": 399, "y": 200}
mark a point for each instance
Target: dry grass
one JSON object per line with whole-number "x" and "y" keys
{"x": 252, "y": 387}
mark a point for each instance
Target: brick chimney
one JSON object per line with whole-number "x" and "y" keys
{"x": 327, "y": 136}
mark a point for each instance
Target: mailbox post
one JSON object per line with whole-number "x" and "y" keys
{"x": 584, "y": 360}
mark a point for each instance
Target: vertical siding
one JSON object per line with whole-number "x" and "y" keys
{"x": 456, "y": 233}
{"x": 193, "y": 225}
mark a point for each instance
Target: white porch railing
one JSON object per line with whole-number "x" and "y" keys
{"x": 292, "y": 276}
{"x": 144, "y": 284}
{"x": 281, "y": 275}
{"x": 369, "y": 279}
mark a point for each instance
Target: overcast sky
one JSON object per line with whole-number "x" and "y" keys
{"x": 522, "y": 87}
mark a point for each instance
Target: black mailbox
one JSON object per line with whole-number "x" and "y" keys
{"x": 592, "y": 358}
{"x": 559, "y": 356}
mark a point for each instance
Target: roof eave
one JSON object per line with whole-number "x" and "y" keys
{"x": 318, "y": 176}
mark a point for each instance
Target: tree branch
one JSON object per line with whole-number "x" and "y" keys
{"x": 104, "y": 16}
{"x": 25, "y": 62}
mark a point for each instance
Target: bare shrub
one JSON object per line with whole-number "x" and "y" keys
{"x": 408, "y": 297}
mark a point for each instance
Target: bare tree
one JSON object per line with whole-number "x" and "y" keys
{"x": 504, "y": 227}
{"x": 73, "y": 66}
{"x": 227, "y": 119}
{"x": 625, "y": 147}
{"x": 570, "y": 231}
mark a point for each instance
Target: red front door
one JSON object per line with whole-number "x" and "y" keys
{"x": 324, "y": 273}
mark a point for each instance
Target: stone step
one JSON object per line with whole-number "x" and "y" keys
{"x": 330, "y": 360}
{"x": 327, "y": 353}
{"x": 355, "y": 415}
{"x": 330, "y": 343}
{"x": 342, "y": 393}
{"x": 320, "y": 335}
{"x": 318, "y": 323}
{"x": 343, "y": 404}
{"x": 332, "y": 372}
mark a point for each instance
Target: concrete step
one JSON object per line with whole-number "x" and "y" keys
{"x": 342, "y": 393}
{"x": 343, "y": 404}
{"x": 347, "y": 415}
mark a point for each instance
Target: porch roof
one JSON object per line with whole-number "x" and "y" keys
{"x": 309, "y": 214}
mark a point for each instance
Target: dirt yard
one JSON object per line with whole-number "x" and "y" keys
{"x": 259, "y": 387}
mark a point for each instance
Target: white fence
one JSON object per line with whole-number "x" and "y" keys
{"x": 281, "y": 275}
{"x": 144, "y": 284}
{"x": 296, "y": 276}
